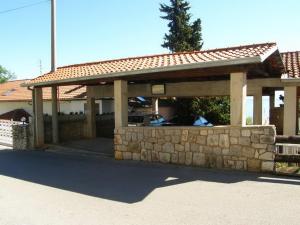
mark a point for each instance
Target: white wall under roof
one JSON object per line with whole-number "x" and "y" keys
{"x": 105, "y": 106}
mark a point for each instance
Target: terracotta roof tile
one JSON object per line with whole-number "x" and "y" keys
{"x": 12, "y": 91}
{"x": 152, "y": 62}
{"x": 291, "y": 61}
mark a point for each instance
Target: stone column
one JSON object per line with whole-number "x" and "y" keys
{"x": 290, "y": 110}
{"x": 121, "y": 103}
{"x": 155, "y": 105}
{"x": 39, "y": 117}
{"x": 91, "y": 114}
{"x": 238, "y": 94}
{"x": 55, "y": 135}
{"x": 257, "y": 107}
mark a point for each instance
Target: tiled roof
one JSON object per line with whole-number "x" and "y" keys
{"x": 291, "y": 61}
{"x": 88, "y": 70}
{"x": 12, "y": 91}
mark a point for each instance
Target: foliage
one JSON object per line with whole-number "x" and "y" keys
{"x": 249, "y": 120}
{"x": 5, "y": 75}
{"x": 215, "y": 109}
{"x": 183, "y": 35}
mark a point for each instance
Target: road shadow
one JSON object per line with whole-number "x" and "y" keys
{"x": 123, "y": 181}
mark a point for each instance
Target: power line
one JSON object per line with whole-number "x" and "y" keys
{"x": 24, "y": 6}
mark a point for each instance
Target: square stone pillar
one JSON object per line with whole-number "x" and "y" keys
{"x": 55, "y": 134}
{"x": 121, "y": 103}
{"x": 91, "y": 114}
{"x": 238, "y": 94}
{"x": 290, "y": 110}
{"x": 38, "y": 117}
{"x": 257, "y": 107}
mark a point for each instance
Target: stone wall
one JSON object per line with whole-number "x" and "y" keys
{"x": 250, "y": 148}
{"x": 74, "y": 127}
{"x": 22, "y": 136}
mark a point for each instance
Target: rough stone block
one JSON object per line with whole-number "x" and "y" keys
{"x": 239, "y": 165}
{"x": 235, "y": 132}
{"x": 261, "y": 146}
{"x": 179, "y": 148}
{"x": 118, "y": 155}
{"x": 136, "y": 156}
{"x": 127, "y": 155}
{"x": 225, "y": 151}
{"x": 134, "y": 137}
{"x": 246, "y": 133}
{"x": 184, "y": 136}
{"x": 174, "y": 158}
{"x": 255, "y": 138}
{"x": 235, "y": 150}
{"x": 217, "y": 150}
{"x": 154, "y": 156}
{"x": 199, "y": 159}
{"x": 267, "y": 166}
{"x": 144, "y": 155}
{"x": 176, "y": 139}
{"x": 188, "y": 158}
{"x": 253, "y": 165}
{"x": 164, "y": 157}
{"x": 203, "y": 132}
{"x": 213, "y": 140}
{"x": 134, "y": 147}
{"x": 118, "y": 139}
{"x": 187, "y": 146}
{"x": 148, "y": 146}
{"x": 201, "y": 140}
{"x": 267, "y": 139}
{"x": 267, "y": 156}
{"x": 168, "y": 147}
{"x": 194, "y": 147}
{"x": 224, "y": 141}
{"x": 234, "y": 140}
{"x": 219, "y": 162}
{"x": 181, "y": 157}
{"x": 248, "y": 152}
{"x": 157, "y": 147}
{"x": 245, "y": 141}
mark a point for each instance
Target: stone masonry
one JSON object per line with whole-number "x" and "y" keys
{"x": 250, "y": 148}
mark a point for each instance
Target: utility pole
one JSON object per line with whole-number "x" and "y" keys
{"x": 53, "y": 35}
{"x": 55, "y": 103}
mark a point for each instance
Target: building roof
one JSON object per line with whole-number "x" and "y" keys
{"x": 15, "y": 115}
{"x": 256, "y": 53}
{"x": 291, "y": 61}
{"x": 12, "y": 91}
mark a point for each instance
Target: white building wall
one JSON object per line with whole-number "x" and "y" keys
{"x": 66, "y": 107}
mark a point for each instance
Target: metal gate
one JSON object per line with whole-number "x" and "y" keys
{"x": 287, "y": 155}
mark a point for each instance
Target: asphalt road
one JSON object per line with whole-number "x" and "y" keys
{"x": 38, "y": 188}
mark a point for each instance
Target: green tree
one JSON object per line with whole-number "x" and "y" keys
{"x": 5, "y": 75}
{"x": 214, "y": 109}
{"x": 183, "y": 35}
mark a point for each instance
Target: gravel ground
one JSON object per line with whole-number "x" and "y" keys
{"x": 38, "y": 188}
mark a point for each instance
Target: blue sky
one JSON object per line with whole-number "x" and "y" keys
{"x": 93, "y": 30}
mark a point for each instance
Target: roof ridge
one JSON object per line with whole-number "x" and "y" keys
{"x": 290, "y": 52}
{"x": 16, "y": 80}
{"x": 166, "y": 54}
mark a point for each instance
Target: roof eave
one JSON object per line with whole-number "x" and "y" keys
{"x": 202, "y": 65}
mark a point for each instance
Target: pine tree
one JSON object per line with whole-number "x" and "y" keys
{"x": 186, "y": 36}
{"x": 183, "y": 35}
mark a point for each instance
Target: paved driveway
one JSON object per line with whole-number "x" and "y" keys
{"x": 39, "y": 188}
